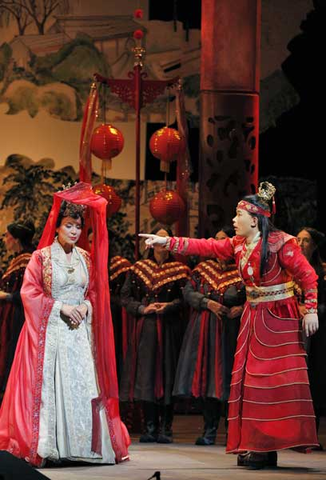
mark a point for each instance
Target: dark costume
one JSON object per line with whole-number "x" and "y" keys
{"x": 270, "y": 405}
{"x": 11, "y": 314}
{"x": 118, "y": 269}
{"x": 206, "y": 358}
{"x": 153, "y": 351}
{"x": 317, "y": 352}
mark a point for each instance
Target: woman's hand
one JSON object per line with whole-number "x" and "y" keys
{"x": 73, "y": 314}
{"x": 217, "y": 308}
{"x": 160, "y": 307}
{"x": 235, "y": 312}
{"x": 82, "y": 309}
{"x": 3, "y": 295}
{"x": 152, "y": 240}
{"x": 310, "y": 323}
{"x": 149, "y": 309}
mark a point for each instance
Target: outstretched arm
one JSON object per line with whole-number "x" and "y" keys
{"x": 222, "y": 249}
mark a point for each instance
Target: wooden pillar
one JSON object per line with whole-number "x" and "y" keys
{"x": 230, "y": 75}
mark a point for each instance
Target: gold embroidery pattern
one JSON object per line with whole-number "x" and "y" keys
{"x": 270, "y": 294}
{"x": 167, "y": 245}
{"x": 176, "y": 246}
{"x": 17, "y": 263}
{"x": 86, "y": 257}
{"x": 247, "y": 251}
{"x": 47, "y": 270}
{"x": 211, "y": 273}
{"x": 118, "y": 266}
{"x": 311, "y": 310}
{"x": 154, "y": 277}
{"x": 185, "y": 246}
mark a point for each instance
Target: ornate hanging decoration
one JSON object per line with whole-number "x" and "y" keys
{"x": 167, "y": 207}
{"x": 106, "y": 143}
{"x": 167, "y": 145}
{"x": 113, "y": 199}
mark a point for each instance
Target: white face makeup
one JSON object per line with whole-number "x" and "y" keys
{"x": 69, "y": 231}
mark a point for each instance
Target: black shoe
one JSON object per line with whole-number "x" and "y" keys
{"x": 259, "y": 460}
{"x": 204, "y": 441}
{"x": 318, "y": 448}
{"x": 148, "y": 438}
{"x": 242, "y": 459}
{"x": 164, "y": 438}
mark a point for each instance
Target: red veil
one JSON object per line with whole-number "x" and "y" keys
{"x": 19, "y": 414}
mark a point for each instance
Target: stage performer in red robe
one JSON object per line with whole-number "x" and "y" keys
{"x": 270, "y": 405}
{"x": 18, "y": 241}
{"x": 61, "y": 400}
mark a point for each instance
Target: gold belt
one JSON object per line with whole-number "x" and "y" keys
{"x": 270, "y": 294}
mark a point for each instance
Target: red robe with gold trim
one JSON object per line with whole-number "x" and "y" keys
{"x": 208, "y": 347}
{"x": 153, "y": 351}
{"x": 11, "y": 313}
{"x": 270, "y": 405}
{"x": 122, "y": 322}
{"x": 20, "y": 410}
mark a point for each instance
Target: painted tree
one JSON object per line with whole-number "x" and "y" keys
{"x": 27, "y": 12}
{"x": 15, "y": 10}
{"x": 31, "y": 190}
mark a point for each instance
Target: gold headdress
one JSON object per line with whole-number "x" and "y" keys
{"x": 70, "y": 209}
{"x": 266, "y": 192}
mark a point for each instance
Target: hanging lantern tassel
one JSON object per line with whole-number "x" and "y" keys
{"x": 167, "y": 145}
{"x": 106, "y": 142}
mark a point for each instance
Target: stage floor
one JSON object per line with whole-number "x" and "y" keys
{"x": 183, "y": 460}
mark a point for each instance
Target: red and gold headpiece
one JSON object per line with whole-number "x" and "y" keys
{"x": 70, "y": 209}
{"x": 266, "y": 192}
{"x": 73, "y": 209}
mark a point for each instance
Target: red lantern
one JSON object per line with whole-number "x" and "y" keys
{"x": 167, "y": 144}
{"x": 138, "y": 34}
{"x": 138, "y": 13}
{"x": 113, "y": 199}
{"x": 167, "y": 207}
{"x": 106, "y": 142}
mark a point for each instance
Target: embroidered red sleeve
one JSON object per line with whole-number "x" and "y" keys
{"x": 222, "y": 249}
{"x": 291, "y": 259}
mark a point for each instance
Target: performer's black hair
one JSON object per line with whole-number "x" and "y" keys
{"x": 265, "y": 226}
{"x": 319, "y": 239}
{"x": 72, "y": 210}
{"x": 24, "y": 231}
{"x": 162, "y": 227}
{"x": 168, "y": 230}
{"x": 227, "y": 229}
